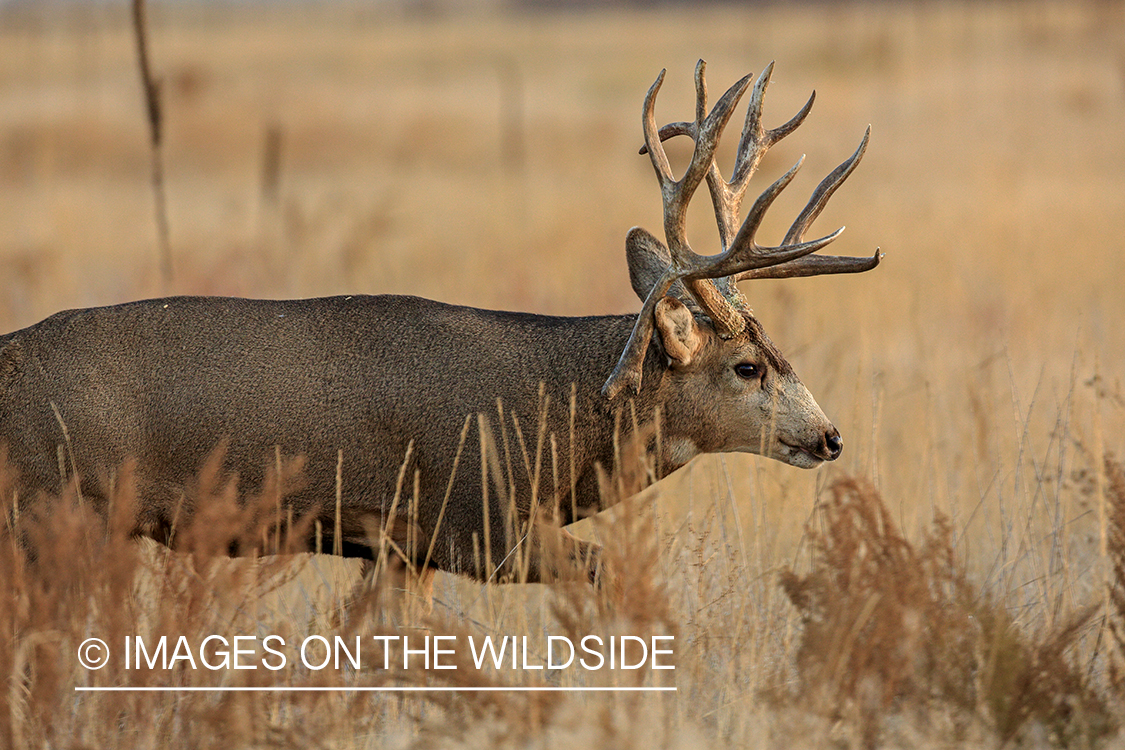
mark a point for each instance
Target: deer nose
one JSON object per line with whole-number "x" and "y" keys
{"x": 833, "y": 443}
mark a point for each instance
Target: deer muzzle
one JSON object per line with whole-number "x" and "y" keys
{"x": 809, "y": 455}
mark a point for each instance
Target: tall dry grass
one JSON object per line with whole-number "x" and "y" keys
{"x": 960, "y": 586}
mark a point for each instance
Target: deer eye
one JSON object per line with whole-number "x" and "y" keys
{"x": 748, "y": 370}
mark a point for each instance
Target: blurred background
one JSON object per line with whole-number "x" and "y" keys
{"x": 485, "y": 153}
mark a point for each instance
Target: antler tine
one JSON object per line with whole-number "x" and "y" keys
{"x": 671, "y": 130}
{"x": 781, "y": 131}
{"x": 823, "y": 192}
{"x": 757, "y": 212}
{"x": 753, "y": 143}
{"x": 814, "y": 265}
{"x": 738, "y": 264}
{"x": 712, "y": 127}
{"x": 627, "y": 373}
{"x": 648, "y": 120}
{"x": 700, "y": 90}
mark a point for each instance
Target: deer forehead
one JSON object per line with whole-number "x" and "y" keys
{"x": 753, "y": 345}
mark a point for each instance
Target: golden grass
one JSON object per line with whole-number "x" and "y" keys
{"x": 975, "y": 376}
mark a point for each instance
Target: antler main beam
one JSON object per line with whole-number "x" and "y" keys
{"x": 740, "y": 256}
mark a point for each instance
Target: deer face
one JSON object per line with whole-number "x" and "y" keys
{"x": 735, "y": 395}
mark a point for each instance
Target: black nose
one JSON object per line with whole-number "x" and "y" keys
{"x": 833, "y": 443}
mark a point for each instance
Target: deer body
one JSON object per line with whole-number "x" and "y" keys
{"x": 165, "y": 381}
{"x": 376, "y": 393}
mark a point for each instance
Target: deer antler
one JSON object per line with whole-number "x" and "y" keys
{"x": 710, "y": 280}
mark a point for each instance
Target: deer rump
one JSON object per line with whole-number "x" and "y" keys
{"x": 349, "y": 381}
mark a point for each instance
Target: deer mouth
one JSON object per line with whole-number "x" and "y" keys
{"x": 802, "y": 458}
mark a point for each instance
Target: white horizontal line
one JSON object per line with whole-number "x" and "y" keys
{"x": 388, "y": 689}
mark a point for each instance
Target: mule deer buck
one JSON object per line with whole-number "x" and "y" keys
{"x": 378, "y": 393}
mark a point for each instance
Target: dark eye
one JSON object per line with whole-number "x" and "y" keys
{"x": 748, "y": 370}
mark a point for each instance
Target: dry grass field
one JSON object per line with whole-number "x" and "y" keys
{"x": 957, "y": 578}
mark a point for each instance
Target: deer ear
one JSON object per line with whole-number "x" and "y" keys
{"x": 679, "y": 333}
{"x": 647, "y": 259}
